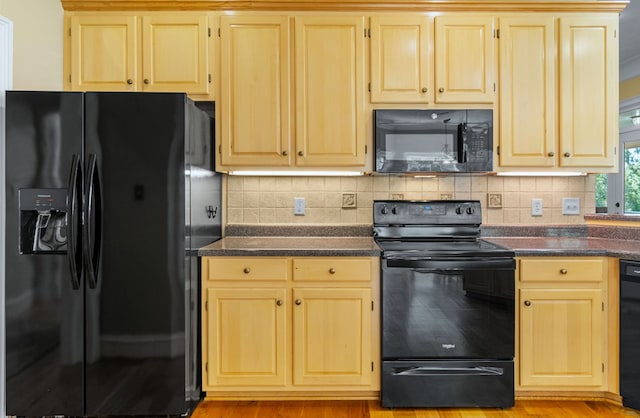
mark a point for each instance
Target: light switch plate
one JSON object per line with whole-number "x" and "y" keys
{"x": 298, "y": 205}
{"x": 536, "y": 207}
{"x": 571, "y": 206}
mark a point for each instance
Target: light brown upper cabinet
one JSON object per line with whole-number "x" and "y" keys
{"x": 255, "y": 91}
{"x": 464, "y": 59}
{"x": 330, "y": 82}
{"x": 413, "y": 62}
{"x": 260, "y": 81}
{"x": 401, "y": 59}
{"x": 559, "y": 92}
{"x": 588, "y": 85}
{"x": 528, "y": 128}
{"x": 166, "y": 52}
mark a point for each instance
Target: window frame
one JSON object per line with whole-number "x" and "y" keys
{"x": 615, "y": 181}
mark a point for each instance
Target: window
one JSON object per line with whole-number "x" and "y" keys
{"x": 619, "y": 193}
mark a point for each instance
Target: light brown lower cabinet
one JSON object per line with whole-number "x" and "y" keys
{"x": 564, "y": 342}
{"x": 290, "y": 327}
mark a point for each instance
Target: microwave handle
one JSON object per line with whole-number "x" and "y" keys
{"x": 461, "y": 143}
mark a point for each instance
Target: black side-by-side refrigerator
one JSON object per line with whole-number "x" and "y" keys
{"x": 101, "y": 300}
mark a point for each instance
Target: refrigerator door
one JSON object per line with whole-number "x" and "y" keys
{"x": 44, "y": 300}
{"x": 136, "y": 254}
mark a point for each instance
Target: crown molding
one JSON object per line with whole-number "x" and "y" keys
{"x": 350, "y": 5}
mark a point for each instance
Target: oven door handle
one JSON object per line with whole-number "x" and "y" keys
{"x": 453, "y": 264}
{"x": 444, "y": 272}
{"x": 449, "y": 371}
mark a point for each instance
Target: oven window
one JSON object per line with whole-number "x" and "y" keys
{"x": 447, "y": 314}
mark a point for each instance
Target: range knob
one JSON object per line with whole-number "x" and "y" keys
{"x": 385, "y": 210}
{"x": 459, "y": 210}
{"x": 470, "y": 210}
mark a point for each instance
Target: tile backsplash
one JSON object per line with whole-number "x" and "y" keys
{"x": 349, "y": 200}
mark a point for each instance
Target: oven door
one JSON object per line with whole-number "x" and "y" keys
{"x": 449, "y": 308}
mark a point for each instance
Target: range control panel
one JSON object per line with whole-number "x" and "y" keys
{"x": 427, "y": 212}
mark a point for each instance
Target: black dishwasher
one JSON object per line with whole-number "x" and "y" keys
{"x": 630, "y": 333}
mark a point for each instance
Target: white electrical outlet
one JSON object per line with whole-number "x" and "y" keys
{"x": 571, "y": 206}
{"x": 298, "y": 205}
{"x": 536, "y": 207}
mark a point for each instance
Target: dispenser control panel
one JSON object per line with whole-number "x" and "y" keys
{"x": 43, "y": 199}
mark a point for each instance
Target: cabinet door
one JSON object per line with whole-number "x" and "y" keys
{"x": 104, "y": 52}
{"x": 246, "y": 337}
{"x": 527, "y": 92}
{"x": 401, "y": 59}
{"x": 175, "y": 53}
{"x": 255, "y": 91}
{"x": 330, "y": 119}
{"x": 561, "y": 337}
{"x": 464, "y": 59}
{"x": 332, "y": 336}
{"x": 588, "y": 91}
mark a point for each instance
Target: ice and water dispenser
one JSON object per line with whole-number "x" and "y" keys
{"x": 43, "y": 221}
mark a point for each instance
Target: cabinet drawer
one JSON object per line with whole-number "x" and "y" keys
{"x": 562, "y": 269}
{"x": 245, "y": 268}
{"x": 333, "y": 269}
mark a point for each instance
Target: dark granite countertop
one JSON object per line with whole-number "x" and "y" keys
{"x": 570, "y": 246}
{"x": 292, "y": 246}
{"x": 356, "y": 240}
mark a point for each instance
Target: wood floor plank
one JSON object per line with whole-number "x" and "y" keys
{"x": 372, "y": 409}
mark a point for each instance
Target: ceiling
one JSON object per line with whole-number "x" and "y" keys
{"x": 630, "y": 33}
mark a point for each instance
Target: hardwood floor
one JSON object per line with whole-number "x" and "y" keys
{"x": 372, "y": 409}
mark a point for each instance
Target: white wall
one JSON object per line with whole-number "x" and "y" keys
{"x": 37, "y": 43}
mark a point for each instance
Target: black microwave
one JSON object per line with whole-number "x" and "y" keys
{"x": 433, "y": 141}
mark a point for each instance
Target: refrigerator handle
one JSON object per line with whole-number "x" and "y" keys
{"x": 74, "y": 221}
{"x": 93, "y": 230}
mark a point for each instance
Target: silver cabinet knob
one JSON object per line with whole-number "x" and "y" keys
{"x": 298, "y": 302}
{"x": 146, "y": 81}
{"x": 332, "y": 271}
{"x": 301, "y": 154}
{"x": 424, "y": 90}
{"x": 279, "y": 302}
{"x": 441, "y": 90}
{"x": 567, "y": 154}
{"x": 527, "y": 303}
{"x": 129, "y": 81}
{"x": 246, "y": 270}
{"x": 563, "y": 271}
{"x": 285, "y": 153}
{"x": 551, "y": 154}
